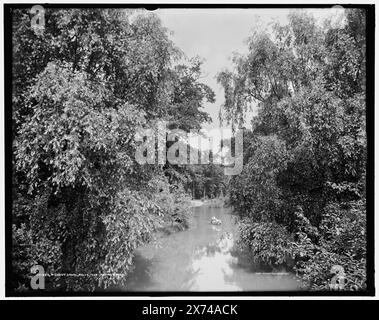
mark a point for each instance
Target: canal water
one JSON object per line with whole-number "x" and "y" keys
{"x": 204, "y": 257}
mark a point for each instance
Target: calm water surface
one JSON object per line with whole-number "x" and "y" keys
{"x": 202, "y": 258}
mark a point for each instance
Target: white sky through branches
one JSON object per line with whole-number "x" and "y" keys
{"x": 214, "y": 34}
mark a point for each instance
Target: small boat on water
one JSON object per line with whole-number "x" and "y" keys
{"x": 215, "y": 221}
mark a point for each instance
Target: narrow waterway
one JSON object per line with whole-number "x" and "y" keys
{"x": 203, "y": 258}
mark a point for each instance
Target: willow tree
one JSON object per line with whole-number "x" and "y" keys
{"x": 307, "y": 154}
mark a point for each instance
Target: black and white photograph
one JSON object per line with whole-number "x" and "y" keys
{"x": 175, "y": 150}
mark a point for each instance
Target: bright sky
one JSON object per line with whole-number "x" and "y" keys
{"x": 214, "y": 34}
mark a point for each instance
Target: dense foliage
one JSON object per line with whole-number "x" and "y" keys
{"x": 302, "y": 190}
{"x": 81, "y": 203}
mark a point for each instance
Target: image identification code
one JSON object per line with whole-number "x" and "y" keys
{"x": 191, "y": 309}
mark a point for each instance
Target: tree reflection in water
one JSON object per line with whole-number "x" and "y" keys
{"x": 212, "y": 265}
